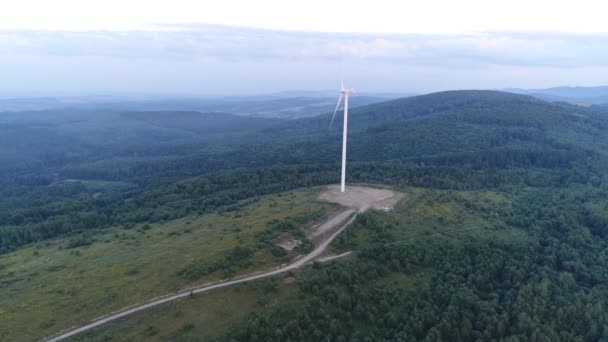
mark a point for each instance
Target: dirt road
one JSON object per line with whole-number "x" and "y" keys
{"x": 206, "y": 287}
{"x": 331, "y": 223}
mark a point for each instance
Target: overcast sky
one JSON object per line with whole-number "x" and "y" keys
{"x": 234, "y": 47}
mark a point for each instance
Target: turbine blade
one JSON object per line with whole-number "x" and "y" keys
{"x": 336, "y": 110}
{"x": 342, "y": 85}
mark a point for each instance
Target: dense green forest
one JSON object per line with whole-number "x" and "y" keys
{"x": 552, "y": 286}
{"x": 67, "y": 173}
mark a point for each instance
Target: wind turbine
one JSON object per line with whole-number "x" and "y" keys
{"x": 343, "y": 94}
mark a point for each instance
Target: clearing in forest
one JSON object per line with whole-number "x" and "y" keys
{"x": 362, "y": 198}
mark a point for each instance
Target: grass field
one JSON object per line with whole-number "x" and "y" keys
{"x": 210, "y": 316}
{"x": 50, "y": 286}
{"x": 427, "y": 212}
{"x": 199, "y": 317}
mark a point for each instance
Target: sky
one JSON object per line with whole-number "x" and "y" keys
{"x": 204, "y": 47}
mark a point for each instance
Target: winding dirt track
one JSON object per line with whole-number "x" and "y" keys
{"x": 205, "y": 287}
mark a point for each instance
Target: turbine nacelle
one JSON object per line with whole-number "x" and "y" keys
{"x": 343, "y": 92}
{"x": 346, "y": 91}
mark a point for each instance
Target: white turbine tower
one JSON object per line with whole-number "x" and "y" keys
{"x": 343, "y": 94}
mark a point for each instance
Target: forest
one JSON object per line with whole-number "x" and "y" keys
{"x": 551, "y": 287}
{"x": 66, "y": 173}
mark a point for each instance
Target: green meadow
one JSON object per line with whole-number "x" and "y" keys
{"x": 53, "y": 285}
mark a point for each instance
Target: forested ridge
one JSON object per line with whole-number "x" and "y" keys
{"x": 549, "y": 159}
{"x": 439, "y": 140}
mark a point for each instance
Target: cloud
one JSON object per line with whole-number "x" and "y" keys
{"x": 234, "y": 43}
{"x": 216, "y": 59}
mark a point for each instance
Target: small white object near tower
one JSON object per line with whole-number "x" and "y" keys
{"x": 344, "y": 93}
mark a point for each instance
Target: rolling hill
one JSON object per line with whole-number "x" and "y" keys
{"x": 191, "y": 143}
{"x": 505, "y": 237}
{"x": 445, "y": 132}
{"x": 578, "y": 95}
{"x": 453, "y": 122}
{"x": 289, "y": 105}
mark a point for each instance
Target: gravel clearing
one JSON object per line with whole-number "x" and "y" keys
{"x": 362, "y": 198}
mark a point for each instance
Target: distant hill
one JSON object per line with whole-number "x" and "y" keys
{"x": 333, "y": 92}
{"x": 22, "y": 104}
{"x": 434, "y": 125}
{"x": 288, "y": 106}
{"x": 578, "y": 95}
{"x": 210, "y": 123}
{"x": 32, "y": 140}
{"x": 453, "y": 122}
{"x": 262, "y": 106}
{"x": 462, "y": 101}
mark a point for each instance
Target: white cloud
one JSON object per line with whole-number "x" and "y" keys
{"x": 210, "y": 58}
{"x": 230, "y": 43}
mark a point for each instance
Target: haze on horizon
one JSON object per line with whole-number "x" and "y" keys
{"x": 239, "y": 47}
